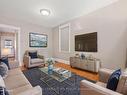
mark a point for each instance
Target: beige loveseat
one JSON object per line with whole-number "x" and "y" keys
{"x": 89, "y": 88}
{"x": 17, "y": 84}
{"x": 29, "y": 63}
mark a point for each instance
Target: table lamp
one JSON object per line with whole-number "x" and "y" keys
{"x": 6, "y": 51}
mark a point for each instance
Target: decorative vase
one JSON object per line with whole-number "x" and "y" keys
{"x": 82, "y": 56}
{"x": 50, "y": 69}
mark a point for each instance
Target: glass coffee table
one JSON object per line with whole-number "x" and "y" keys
{"x": 60, "y": 75}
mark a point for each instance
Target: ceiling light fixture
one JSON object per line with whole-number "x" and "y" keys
{"x": 45, "y": 12}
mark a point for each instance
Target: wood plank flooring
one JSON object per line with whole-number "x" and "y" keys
{"x": 83, "y": 73}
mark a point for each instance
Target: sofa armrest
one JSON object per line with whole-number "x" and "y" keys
{"x": 104, "y": 74}
{"x": 89, "y": 88}
{"x": 32, "y": 91}
{"x": 14, "y": 64}
{"x": 26, "y": 60}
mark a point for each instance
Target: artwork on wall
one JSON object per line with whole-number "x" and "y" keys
{"x": 8, "y": 43}
{"x": 38, "y": 40}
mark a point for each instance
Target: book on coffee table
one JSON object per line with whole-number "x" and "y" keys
{"x": 60, "y": 71}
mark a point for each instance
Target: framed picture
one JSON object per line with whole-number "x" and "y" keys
{"x": 38, "y": 40}
{"x": 8, "y": 43}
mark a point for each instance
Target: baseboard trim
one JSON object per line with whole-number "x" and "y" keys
{"x": 62, "y": 61}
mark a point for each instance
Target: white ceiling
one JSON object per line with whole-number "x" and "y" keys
{"x": 61, "y": 10}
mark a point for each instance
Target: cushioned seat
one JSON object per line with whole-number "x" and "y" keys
{"x": 17, "y": 84}
{"x": 100, "y": 88}
{"x": 33, "y": 59}
{"x": 15, "y": 81}
{"x": 14, "y": 72}
{"x": 21, "y": 89}
{"x": 37, "y": 60}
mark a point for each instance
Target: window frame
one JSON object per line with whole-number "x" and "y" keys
{"x": 69, "y": 30}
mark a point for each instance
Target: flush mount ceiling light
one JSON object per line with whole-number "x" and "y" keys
{"x": 45, "y": 12}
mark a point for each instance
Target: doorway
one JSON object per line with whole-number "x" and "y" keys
{"x": 10, "y": 42}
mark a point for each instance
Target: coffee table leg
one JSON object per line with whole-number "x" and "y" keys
{"x": 75, "y": 79}
{"x": 59, "y": 88}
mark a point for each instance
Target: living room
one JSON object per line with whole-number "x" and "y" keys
{"x": 61, "y": 26}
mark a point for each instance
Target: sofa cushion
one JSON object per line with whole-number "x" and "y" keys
{"x": 37, "y": 60}
{"x": 15, "y": 81}
{"x": 37, "y": 90}
{"x": 33, "y": 55}
{"x": 113, "y": 80}
{"x": 122, "y": 85}
{"x": 14, "y": 72}
{"x": 21, "y": 89}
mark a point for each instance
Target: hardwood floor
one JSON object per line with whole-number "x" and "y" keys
{"x": 83, "y": 73}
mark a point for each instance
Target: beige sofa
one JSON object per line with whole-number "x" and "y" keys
{"x": 29, "y": 63}
{"x": 89, "y": 88}
{"x": 17, "y": 84}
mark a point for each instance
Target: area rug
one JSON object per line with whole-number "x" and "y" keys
{"x": 34, "y": 75}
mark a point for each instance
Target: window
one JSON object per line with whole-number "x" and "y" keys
{"x": 8, "y": 43}
{"x": 64, "y": 38}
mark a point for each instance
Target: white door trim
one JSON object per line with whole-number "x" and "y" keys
{"x": 18, "y": 30}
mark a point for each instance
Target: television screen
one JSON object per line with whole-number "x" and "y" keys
{"x": 86, "y": 42}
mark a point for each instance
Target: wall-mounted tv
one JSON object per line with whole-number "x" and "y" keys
{"x": 86, "y": 42}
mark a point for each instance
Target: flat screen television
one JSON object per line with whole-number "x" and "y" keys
{"x": 86, "y": 42}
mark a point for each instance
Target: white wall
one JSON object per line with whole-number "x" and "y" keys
{"x": 111, "y": 25}
{"x": 24, "y": 36}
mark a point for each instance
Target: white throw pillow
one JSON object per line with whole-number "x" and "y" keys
{"x": 2, "y": 82}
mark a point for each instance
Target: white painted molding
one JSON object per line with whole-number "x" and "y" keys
{"x": 9, "y": 26}
{"x": 62, "y": 61}
{"x": 17, "y": 30}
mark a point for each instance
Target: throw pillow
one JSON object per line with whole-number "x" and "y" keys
{"x": 122, "y": 85}
{"x": 3, "y": 91}
{"x": 2, "y": 82}
{"x": 3, "y": 70}
{"x": 5, "y": 60}
{"x": 33, "y": 55}
{"x": 113, "y": 80}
